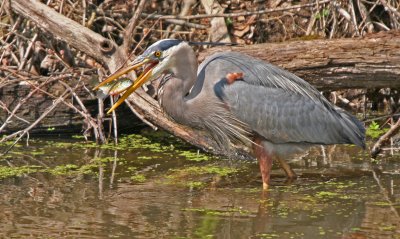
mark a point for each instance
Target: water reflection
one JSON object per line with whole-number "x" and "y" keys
{"x": 339, "y": 194}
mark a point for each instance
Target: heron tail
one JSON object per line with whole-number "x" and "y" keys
{"x": 354, "y": 129}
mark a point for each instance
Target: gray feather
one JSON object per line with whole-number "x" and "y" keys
{"x": 284, "y": 117}
{"x": 256, "y": 72}
{"x": 276, "y": 104}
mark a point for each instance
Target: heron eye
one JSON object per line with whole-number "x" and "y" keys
{"x": 157, "y": 53}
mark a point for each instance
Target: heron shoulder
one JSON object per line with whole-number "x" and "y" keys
{"x": 255, "y": 72}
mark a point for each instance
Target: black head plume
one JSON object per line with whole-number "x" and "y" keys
{"x": 193, "y": 43}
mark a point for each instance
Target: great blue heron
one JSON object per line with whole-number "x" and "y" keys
{"x": 236, "y": 97}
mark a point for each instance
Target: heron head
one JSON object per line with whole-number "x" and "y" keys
{"x": 155, "y": 60}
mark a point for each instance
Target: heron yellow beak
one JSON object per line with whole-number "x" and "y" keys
{"x": 140, "y": 80}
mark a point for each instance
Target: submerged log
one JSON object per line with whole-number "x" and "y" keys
{"x": 335, "y": 62}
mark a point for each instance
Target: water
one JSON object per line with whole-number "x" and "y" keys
{"x": 147, "y": 189}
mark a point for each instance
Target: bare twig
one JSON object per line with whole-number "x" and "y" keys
{"x": 74, "y": 33}
{"x": 2, "y": 7}
{"x": 218, "y": 31}
{"x": 385, "y": 139}
{"x": 85, "y": 113}
{"x": 132, "y": 25}
{"x": 4, "y": 107}
{"x": 311, "y": 24}
{"x": 140, "y": 116}
{"x": 22, "y": 133}
{"x": 354, "y": 19}
{"x": 114, "y": 167}
{"x": 238, "y": 14}
{"x": 334, "y": 24}
{"x": 100, "y": 117}
{"x": 15, "y": 26}
{"x": 390, "y": 8}
{"x": 381, "y": 117}
{"x": 84, "y": 13}
{"x": 114, "y": 122}
{"x": 385, "y": 193}
{"x": 28, "y": 50}
{"x": 185, "y": 9}
{"x": 20, "y": 103}
{"x": 175, "y": 21}
{"x": 366, "y": 16}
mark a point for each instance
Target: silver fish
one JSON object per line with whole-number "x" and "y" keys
{"x": 114, "y": 88}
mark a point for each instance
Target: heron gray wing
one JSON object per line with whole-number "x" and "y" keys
{"x": 285, "y": 117}
{"x": 276, "y": 103}
{"x": 256, "y": 72}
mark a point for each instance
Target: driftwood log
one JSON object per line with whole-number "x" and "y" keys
{"x": 370, "y": 62}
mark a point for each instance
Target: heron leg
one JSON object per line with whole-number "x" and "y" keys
{"x": 286, "y": 167}
{"x": 265, "y": 162}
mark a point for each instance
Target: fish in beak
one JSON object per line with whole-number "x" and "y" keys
{"x": 140, "y": 80}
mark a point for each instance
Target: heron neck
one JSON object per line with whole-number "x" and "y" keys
{"x": 184, "y": 75}
{"x": 172, "y": 100}
{"x": 185, "y": 69}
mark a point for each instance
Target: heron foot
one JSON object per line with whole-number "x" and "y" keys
{"x": 290, "y": 174}
{"x": 233, "y": 76}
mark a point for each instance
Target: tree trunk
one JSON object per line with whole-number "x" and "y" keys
{"x": 369, "y": 62}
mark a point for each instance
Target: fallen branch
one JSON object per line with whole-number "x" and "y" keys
{"x": 70, "y": 31}
{"x": 384, "y": 139}
{"x": 365, "y": 62}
